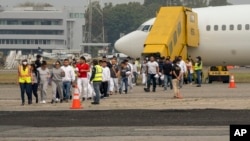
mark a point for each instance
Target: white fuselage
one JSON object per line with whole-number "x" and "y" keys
{"x": 222, "y": 46}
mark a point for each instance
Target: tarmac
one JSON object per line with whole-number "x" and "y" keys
{"x": 203, "y": 114}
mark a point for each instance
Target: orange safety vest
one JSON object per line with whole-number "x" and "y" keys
{"x": 24, "y": 75}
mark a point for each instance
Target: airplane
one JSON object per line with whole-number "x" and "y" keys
{"x": 61, "y": 56}
{"x": 57, "y": 55}
{"x": 224, "y": 36}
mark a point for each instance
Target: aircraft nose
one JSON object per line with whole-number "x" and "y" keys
{"x": 131, "y": 44}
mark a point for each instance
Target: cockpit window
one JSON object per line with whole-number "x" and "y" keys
{"x": 145, "y": 28}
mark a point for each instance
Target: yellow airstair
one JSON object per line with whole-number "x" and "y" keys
{"x": 175, "y": 29}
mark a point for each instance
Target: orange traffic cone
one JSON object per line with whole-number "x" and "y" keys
{"x": 232, "y": 83}
{"x": 76, "y": 103}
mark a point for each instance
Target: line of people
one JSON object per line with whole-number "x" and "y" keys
{"x": 96, "y": 80}
{"x": 170, "y": 74}
{"x": 99, "y": 79}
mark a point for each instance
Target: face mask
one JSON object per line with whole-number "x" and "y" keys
{"x": 25, "y": 63}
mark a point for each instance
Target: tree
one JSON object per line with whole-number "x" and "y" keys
{"x": 196, "y": 3}
{"x": 122, "y": 18}
{"x": 218, "y": 2}
{"x": 31, "y": 4}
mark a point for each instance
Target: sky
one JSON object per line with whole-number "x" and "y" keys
{"x": 77, "y": 3}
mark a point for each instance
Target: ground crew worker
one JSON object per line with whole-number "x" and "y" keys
{"x": 25, "y": 81}
{"x": 198, "y": 70}
{"x": 96, "y": 78}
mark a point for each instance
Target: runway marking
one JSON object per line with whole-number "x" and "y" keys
{"x": 190, "y": 129}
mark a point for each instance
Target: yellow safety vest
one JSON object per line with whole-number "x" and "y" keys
{"x": 196, "y": 67}
{"x": 24, "y": 75}
{"x": 98, "y": 73}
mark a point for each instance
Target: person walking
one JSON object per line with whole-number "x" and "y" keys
{"x": 82, "y": 80}
{"x": 114, "y": 71}
{"x": 35, "y": 81}
{"x": 44, "y": 76}
{"x": 56, "y": 81}
{"x": 190, "y": 70}
{"x": 124, "y": 73}
{"x": 68, "y": 79}
{"x": 25, "y": 81}
{"x": 198, "y": 70}
{"x": 96, "y": 78}
{"x": 143, "y": 72}
{"x": 176, "y": 77}
{"x": 167, "y": 72}
{"x": 105, "y": 79}
{"x": 183, "y": 67}
{"x": 152, "y": 70}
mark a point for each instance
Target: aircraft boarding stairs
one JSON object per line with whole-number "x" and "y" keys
{"x": 175, "y": 29}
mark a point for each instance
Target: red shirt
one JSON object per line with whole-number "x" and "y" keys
{"x": 82, "y": 67}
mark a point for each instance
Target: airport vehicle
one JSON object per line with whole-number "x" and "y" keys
{"x": 218, "y": 73}
{"x": 221, "y": 36}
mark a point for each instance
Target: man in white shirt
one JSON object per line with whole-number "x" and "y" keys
{"x": 105, "y": 79}
{"x": 152, "y": 70}
{"x": 183, "y": 67}
{"x": 68, "y": 79}
{"x": 135, "y": 73}
{"x": 130, "y": 67}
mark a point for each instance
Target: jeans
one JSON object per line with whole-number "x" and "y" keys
{"x": 34, "y": 88}
{"x": 124, "y": 80}
{"x": 104, "y": 88}
{"x": 168, "y": 79}
{"x": 135, "y": 77}
{"x": 96, "y": 86}
{"x": 151, "y": 77}
{"x": 198, "y": 74}
{"x": 66, "y": 89}
{"x": 26, "y": 87}
{"x": 190, "y": 77}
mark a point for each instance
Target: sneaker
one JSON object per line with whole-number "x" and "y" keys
{"x": 43, "y": 102}
{"x": 146, "y": 90}
{"x": 83, "y": 99}
{"x": 57, "y": 100}
{"x": 61, "y": 101}
{"x": 95, "y": 103}
{"x": 89, "y": 98}
{"x": 52, "y": 101}
{"x": 22, "y": 104}
{"x": 153, "y": 90}
{"x": 36, "y": 100}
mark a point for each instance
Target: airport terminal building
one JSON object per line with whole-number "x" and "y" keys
{"x": 27, "y": 28}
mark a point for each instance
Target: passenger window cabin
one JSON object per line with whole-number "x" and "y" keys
{"x": 224, "y": 27}
{"x": 216, "y": 27}
{"x": 231, "y": 27}
{"x": 208, "y": 28}
{"x": 239, "y": 26}
{"x": 247, "y": 27}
